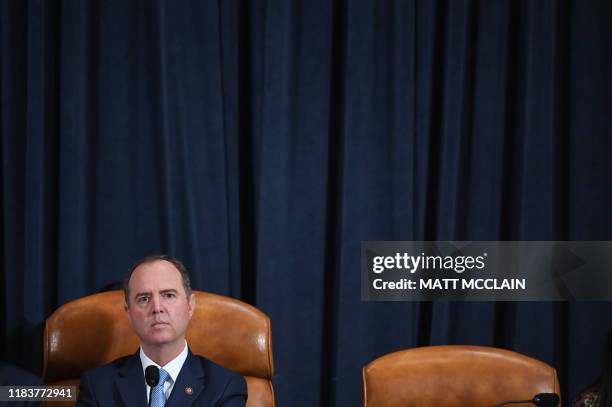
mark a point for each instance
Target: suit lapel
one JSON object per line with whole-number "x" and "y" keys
{"x": 131, "y": 383}
{"x": 189, "y": 383}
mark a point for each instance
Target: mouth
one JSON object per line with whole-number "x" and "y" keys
{"x": 159, "y": 324}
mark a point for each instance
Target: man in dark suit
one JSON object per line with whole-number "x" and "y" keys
{"x": 159, "y": 305}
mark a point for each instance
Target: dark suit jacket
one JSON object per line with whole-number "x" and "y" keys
{"x": 13, "y": 376}
{"x": 121, "y": 383}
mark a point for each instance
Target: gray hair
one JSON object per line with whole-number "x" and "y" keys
{"x": 153, "y": 258}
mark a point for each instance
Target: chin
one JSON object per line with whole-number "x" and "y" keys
{"x": 160, "y": 338}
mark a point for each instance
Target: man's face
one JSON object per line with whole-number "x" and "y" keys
{"x": 158, "y": 307}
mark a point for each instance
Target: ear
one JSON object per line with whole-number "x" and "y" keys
{"x": 127, "y": 312}
{"x": 191, "y": 304}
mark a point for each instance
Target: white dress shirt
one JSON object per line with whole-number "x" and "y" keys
{"x": 173, "y": 368}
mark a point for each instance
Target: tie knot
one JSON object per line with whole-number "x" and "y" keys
{"x": 163, "y": 377}
{"x": 158, "y": 395}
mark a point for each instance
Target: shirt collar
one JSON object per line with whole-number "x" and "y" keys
{"x": 173, "y": 367}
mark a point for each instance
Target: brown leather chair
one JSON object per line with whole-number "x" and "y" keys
{"x": 94, "y": 330}
{"x": 454, "y": 376}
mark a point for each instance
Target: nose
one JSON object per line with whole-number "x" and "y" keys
{"x": 157, "y": 304}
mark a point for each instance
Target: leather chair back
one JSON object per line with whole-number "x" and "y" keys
{"x": 94, "y": 330}
{"x": 454, "y": 376}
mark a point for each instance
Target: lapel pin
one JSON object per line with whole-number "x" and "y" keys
{"x": 188, "y": 391}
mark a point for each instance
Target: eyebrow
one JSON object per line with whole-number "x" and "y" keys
{"x": 164, "y": 291}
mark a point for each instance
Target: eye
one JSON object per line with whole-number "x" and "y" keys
{"x": 169, "y": 295}
{"x": 143, "y": 300}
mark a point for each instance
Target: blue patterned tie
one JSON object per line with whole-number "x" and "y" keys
{"x": 158, "y": 398}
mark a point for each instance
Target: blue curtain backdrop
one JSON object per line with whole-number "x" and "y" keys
{"x": 262, "y": 141}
